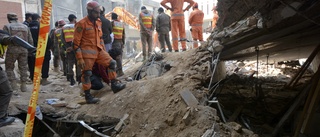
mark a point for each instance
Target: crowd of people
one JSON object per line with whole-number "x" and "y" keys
{"x": 93, "y": 46}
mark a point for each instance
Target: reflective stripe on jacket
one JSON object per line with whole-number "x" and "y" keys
{"x": 117, "y": 29}
{"x": 146, "y": 20}
{"x": 88, "y": 38}
{"x": 58, "y": 35}
{"x": 68, "y": 31}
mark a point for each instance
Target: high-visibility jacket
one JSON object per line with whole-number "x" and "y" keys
{"x": 3, "y": 49}
{"x": 117, "y": 29}
{"x": 58, "y": 36}
{"x": 177, "y": 6}
{"x": 146, "y": 19}
{"x": 68, "y": 31}
{"x": 87, "y": 40}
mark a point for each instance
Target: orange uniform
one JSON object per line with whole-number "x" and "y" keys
{"x": 177, "y": 21}
{"x": 214, "y": 19}
{"x": 196, "y": 21}
{"x": 89, "y": 46}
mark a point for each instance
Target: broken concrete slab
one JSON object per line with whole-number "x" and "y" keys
{"x": 15, "y": 129}
{"x": 189, "y": 98}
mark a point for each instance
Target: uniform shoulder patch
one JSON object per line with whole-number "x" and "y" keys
{"x": 79, "y": 29}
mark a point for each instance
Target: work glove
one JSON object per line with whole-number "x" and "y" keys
{"x": 81, "y": 63}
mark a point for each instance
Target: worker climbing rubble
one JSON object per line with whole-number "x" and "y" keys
{"x": 89, "y": 48}
{"x": 177, "y": 21}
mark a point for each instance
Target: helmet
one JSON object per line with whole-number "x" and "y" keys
{"x": 93, "y": 5}
{"x": 61, "y": 22}
{"x": 195, "y": 5}
{"x": 12, "y": 16}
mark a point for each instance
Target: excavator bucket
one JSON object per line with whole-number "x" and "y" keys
{"x": 125, "y": 17}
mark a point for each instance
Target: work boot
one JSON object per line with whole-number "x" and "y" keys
{"x": 117, "y": 86}
{"x": 23, "y": 87}
{"x": 44, "y": 82}
{"x": 72, "y": 81}
{"x": 176, "y": 50}
{"x": 6, "y": 121}
{"x": 56, "y": 69}
{"x": 184, "y": 49}
{"x": 14, "y": 85}
{"x": 89, "y": 98}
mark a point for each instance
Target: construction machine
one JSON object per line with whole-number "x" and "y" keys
{"x": 125, "y": 17}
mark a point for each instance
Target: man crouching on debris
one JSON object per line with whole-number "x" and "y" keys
{"x": 89, "y": 48}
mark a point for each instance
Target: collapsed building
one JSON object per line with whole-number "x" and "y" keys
{"x": 230, "y": 86}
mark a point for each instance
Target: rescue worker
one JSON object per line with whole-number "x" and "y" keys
{"x": 5, "y": 88}
{"x": 177, "y": 21}
{"x": 215, "y": 17}
{"x": 147, "y": 25}
{"x": 66, "y": 39}
{"x": 89, "y": 48}
{"x": 106, "y": 30}
{"x": 163, "y": 27}
{"x": 28, "y": 17}
{"x": 62, "y": 48}
{"x": 196, "y": 22}
{"x": 55, "y": 49}
{"x": 35, "y": 28}
{"x": 15, "y": 52}
{"x": 119, "y": 40}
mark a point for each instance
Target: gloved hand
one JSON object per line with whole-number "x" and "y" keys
{"x": 81, "y": 63}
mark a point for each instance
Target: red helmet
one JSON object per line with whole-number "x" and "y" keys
{"x": 93, "y": 5}
{"x": 61, "y": 22}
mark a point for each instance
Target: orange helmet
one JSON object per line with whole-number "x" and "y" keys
{"x": 93, "y": 5}
{"x": 61, "y": 22}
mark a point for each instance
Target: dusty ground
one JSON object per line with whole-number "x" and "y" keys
{"x": 154, "y": 105}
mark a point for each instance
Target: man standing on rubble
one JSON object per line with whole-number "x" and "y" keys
{"x": 35, "y": 28}
{"x": 17, "y": 53}
{"x": 196, "y": 21}
{"x": 177, "y": 21}
{"x": 89, "y": 48}
{"x": 163, "y": 27}
{"x": 119, "y": 40}
{"x": 106, "y": 30}
{"x": 55, "y": 48}
{"x": 147, "y": 25}
{"x": 5, "y": 88}
{"x": 66, "y": 39}
{"x": 62, "y": 48}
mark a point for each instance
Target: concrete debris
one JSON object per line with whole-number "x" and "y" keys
{"x": 16, "y": 129}
{"x": 189, "y": 98}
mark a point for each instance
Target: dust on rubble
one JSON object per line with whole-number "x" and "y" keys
{"x": 154, "y": 105}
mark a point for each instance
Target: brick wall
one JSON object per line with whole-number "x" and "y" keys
{"x": 6, "y": 7}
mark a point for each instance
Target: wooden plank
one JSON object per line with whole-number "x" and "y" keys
{"x": 294, "y": 106}
{"x": 119, "y": 125}
{"x": 189, "y": 98}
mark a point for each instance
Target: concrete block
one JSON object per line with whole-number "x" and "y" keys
{"x": 189, "y": 98}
